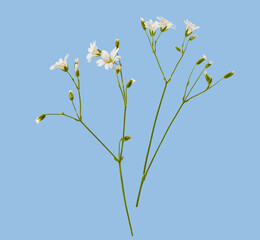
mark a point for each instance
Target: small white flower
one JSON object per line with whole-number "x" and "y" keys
{"x": 165, "y": 24}
{"x": 108, "y": 59}
{"x": 190, "y": 27}
{"x": 37, "y": 120}
{"x": 152, "y": 26}
{"x": 62, "y": 64}
{"x": 93, "y": 51}
{"x": 204, "y": 57}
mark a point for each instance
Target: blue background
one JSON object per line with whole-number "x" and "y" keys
{"x": 57, "y": 182}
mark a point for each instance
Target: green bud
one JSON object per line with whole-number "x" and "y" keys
{"x": 126, "y": 138}
{"x": 130, "y": 82}
{"x": 71, "y": 95}
{"x": 61, "y": 113}
{"x": 192, "y": 37}
{"x": 40, "y": 118}
{"x": 143, "y": 24}
{"x": 208, "y": 78}
{"x": 201, "y": 60}
{"x": 178, "y": 49}
{"x": 117, "y": 42}
{"x": 208, "y": 64}
{"x": 230, "y": 74}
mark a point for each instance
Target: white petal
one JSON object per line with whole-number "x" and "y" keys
{"x": 100, "y": 62}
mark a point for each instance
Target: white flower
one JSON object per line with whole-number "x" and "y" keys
{"x": 152, "y": 26}
{"x": 62, "y": 64}
{"x": 93, "y": 51}
{"x": 204, "y": 57}
{"x": 108, "y": 59}
{"x": 190, "y": 27}
{"x": 37, "y": 120}
{"x": 165, "y": 24}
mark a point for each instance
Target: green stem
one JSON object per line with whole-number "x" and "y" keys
{"x": 188, "y": 82}
{"x": 164, "y": 136}
{"x": 75, "y": 109}
{"x": 79, "y": 98}
{"x": 154, "y": 124}
{"x": 73, "y": 80}
{"x": 99, "y": 140}
{"x": 145, "y": 173}
{"x": 121, "y": 152}
{"x": 123, "y": 191}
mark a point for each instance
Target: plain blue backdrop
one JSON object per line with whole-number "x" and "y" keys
{"x": 56, "y": 180}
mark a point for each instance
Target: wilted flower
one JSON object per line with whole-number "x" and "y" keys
{"x": 130, "y": 82}
{"x": 230, "y": 74}
{"x": 40, "y": 118}
{"x": 165, "y": 24}
{"x": 143, "y": 24}
{"x": 190, "y": 27}
{"x": 108, "y": 59}
{"x": 118, "y": 69}
{"x": 93, "y": 51}
{"x": 152, "y": 26}
{"x": 62, "y": 64}
{"x": 208, "y": 64}
{"x": 76, "y": 67}
{"x": 201, "y": 60}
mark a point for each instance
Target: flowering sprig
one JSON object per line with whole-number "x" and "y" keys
{"x": 110, "y": 60}
{"x": 190, "y": 27}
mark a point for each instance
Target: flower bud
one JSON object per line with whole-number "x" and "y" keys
{"x": 143, "y": 24}
{"x": 40, "y": 118}
{"x": 130, "y": 82}
{"x": 178, "y": 49}
{"x": 76, "y": 67}
{"x": 117, "y": 42}
{"x": 230, "y": 74}
{"x": 126, "y": 138}
{"x": 208, "y": 78}
{"x": 208, "y": 64}
{"x": 192, "y": 37}
{"x": 61, "y": 113}
{"x": 71, "y": 95}
{"x": 118, "y": 69}
{"x": 201, "y": 60}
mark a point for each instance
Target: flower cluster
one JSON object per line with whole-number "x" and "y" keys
{"x": 107, "y": 59}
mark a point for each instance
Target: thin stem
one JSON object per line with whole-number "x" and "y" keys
{"x": 79, "y": 98}
{"x": 62, "y": 114}
{"x": 188, "y": 82}
{"x": 216, "y": 82}
{"x": 194, "y": 84}
{"x": 123, "y": 191}
{"x": 122, "y": 147}
{"x": 154, "y": 124}
{"x": 75, "y": 108}
{"x": 156, "y": 56}
{"x": 183, "y": 52}
{"x": 164, "y": 136}
{"x": 145, "y": 173}
{"x": 99, "y": 140}
{"x": 73, "y": 80}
